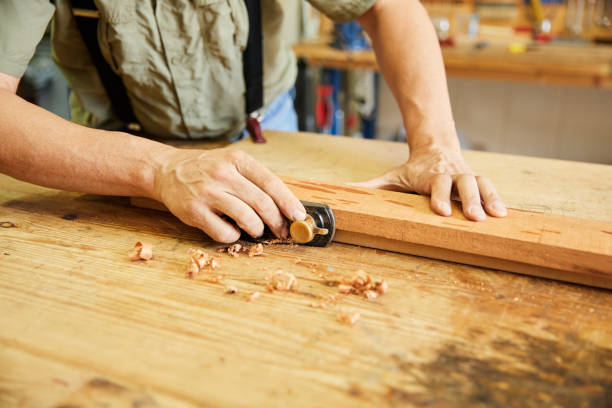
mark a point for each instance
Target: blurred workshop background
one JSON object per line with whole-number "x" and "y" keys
{"x": 529, "y": 77}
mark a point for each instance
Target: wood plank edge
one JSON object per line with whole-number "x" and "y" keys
{"x": 370, "y": 241}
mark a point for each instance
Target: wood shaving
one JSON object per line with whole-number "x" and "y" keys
{"x": 370, "y": 294}
{"x": 381, "y": 287}
{"x": 253, "y": 296}
{"x": 142, "y": 251}
{"x": 214, "y": 279}
{"x": 198, "y": 260}
{"x": 345, "y": 289}
{"x": 231, "y": 290}
{"x": 362, "y": 284}
{"x": 349, "y": 317}
{"x": 256, "y": 250}
{"x": 331, "y": 299}
{"x": 280, "y": 280}
{"x": 234, "y": 250}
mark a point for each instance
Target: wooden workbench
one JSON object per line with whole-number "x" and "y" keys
{"x": 80, "y": 323}
{"x": 587, "y": 65}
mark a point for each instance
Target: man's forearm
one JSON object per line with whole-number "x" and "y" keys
{"x": 44, "y": 149}
{"x": 408, "y": 53}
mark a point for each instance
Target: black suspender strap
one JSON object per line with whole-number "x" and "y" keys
{"x": 252, "y": 59}
{"x": 87, "y": 23}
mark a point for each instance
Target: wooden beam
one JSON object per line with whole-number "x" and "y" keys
{"x": 545, "y": 245}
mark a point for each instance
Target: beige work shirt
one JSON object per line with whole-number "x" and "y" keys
{"x": 180, "y": 60}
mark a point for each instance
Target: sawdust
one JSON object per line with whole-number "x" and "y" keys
{"x": 279, "y": 241}
{"x": 349, "y": 317}
{"x": 325, "y": 303}
{"x": 256, "y": 250}
{"x": 362, "y": 284}
{"x": 142, "y": 251}
{"x": 281, "y": 281}
{"x": 359, "y": 283}
{"x": 200, "y": 261}
{"x": 234, "y": 250}
{"x": 253, "y": 296}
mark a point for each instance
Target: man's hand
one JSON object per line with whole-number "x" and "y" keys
{"x": 199, "y": 186}
{"x": 443, "y": 174}
{"x": 409, "y": 57}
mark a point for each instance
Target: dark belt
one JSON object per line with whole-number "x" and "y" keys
{"x": 86, "y": 16}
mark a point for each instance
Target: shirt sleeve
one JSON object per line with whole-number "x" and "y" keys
{"x": 22, "y": 25}
{"x": 342, "y": 11}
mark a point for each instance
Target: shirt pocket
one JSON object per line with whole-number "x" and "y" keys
{"x": 122, "y": 36}
{"x": 224, "y": 22}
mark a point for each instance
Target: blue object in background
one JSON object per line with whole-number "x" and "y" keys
{"x": 368, "y": 123}
{"x": 333, "y": 77}
{"x": 349, "y": 36}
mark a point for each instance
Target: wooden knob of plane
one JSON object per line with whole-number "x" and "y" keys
{"x": 303, "y": 232}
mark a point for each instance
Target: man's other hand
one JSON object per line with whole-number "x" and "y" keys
{"x": 443, "y": 174}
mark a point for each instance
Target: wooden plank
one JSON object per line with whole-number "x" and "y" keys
{"x": 545, "y": 245}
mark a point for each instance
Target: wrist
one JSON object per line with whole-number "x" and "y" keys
{"x": 151, "y": 169}
{"x": 428, "y": 134}
{"x": 434, "y": 141}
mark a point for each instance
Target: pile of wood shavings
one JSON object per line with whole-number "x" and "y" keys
{"x": 142, "y": 251}
{"x": 234, "y": 250}
{"x": 362, "y": 284}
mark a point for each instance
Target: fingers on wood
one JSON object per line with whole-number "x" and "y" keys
{"x": 441, "y": 193}
{"x": 211, "y": 223}
{"x": 263, "y": 205}
{"x": 470, "y": 197}
{"x": 492, "y": 202}
{"x": 269, "y": 183}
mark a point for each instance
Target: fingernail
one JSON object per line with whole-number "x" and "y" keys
{"x": 477, "y": 211}
{"x": 445, "y": 207}
{"x": 499, "y": 208}
{"x": 298, "y": 215}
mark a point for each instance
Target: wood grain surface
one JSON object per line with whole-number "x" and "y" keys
{"x": 81, "y": 325}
